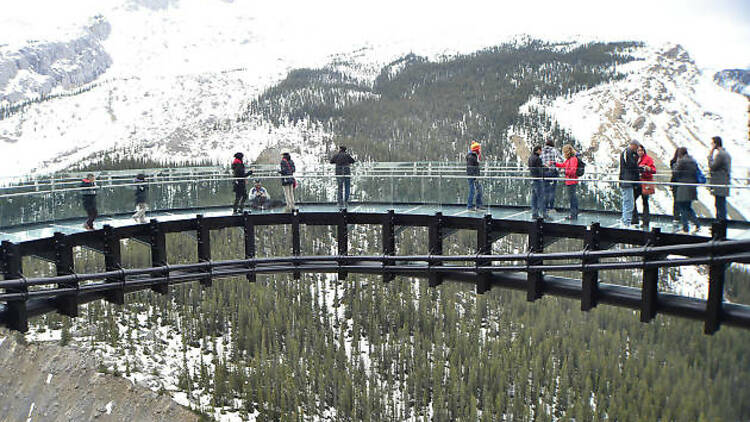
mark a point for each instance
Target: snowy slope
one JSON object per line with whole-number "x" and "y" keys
{"x": 664, "y": 102}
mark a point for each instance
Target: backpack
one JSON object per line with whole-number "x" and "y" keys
{"x": 699, "y": 176}
{"x": 581, "y": 169}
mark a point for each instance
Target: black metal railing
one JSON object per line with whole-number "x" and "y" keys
{"x": 521, "y": 271}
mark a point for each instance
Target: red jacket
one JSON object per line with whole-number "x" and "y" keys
{"x": 648, "y": 162}
{"x": 570, "y": 165}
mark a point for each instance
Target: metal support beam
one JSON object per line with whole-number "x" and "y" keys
{"x": 66, "y": 304}
{"x": 158, "y": 242}
{"x": 113, "y": 262}
{"x": 590, "y": 278}
{"x": 18, "y": 318}
{"x": 650, "y": 288}
{"x": 484, "y": 247}
{"x": 249, "y": 231}
{"x": 296, "y": 241}
{"x": 203, "y": 236}
{"x": 342, "y": 238}
{"x": 436, "y": 247}
{"x": 716, "y": 274}
{"x": 535, "y": 279}
{"x": 389, "y": 242}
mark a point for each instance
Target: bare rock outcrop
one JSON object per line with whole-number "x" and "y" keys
{"x": 48, "y": 382}
{"x": 41, "y": 66}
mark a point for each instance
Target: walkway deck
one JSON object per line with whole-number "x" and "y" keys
{"x": 736, "y": 230}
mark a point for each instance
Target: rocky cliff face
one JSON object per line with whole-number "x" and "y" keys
{"x": 735, "y": 80}
{"x": 45, "y": 381}
{"x": 42, "y": 66}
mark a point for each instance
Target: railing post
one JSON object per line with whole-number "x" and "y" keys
{"x": 249, "y": 231}
{"x": 535, "y": 278}
{"x": 436, "y": 247}
{"x": 484, "y": 247}
{"x": 342, "y": 239}
{"x": 203, "y": 235}
{"x": 590, "y": 278}
{"x": 158, "y": 241}
{"x": 650, "y": 288}
{"x": 18, "y": 318}
{"x": 66, "y": 304}
{"x": 113, "y": 262}
{"x": 389, "y": 243}
{"x": 716, "y": 274}
{"x": 296, "y": 241}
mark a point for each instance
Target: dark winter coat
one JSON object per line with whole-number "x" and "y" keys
{"x": 238, "y": 170}
{"x": 88, "y": 195}
{"x": 472, "y": 164}
{"x": 685, "y": 172}
{"x": 629, "y": 166}
{"x": 535, "y": 165}
{"x": 720, "y": 167}
{"x": 342, "y": 160}
{"x": 287, "y": 169}
{"x": 141, "y": 192}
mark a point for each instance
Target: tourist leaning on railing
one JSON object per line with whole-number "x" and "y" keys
{"x": 240, "y": 184}
{"x": 571, "y": 178}
{"x": 141, "y": 196}
{"x": 549, "y": 153}
{"x": 685, "y": 171}
{"x": 88, "y": 197}
{"x": 343, "y": 162}
{"x": 538, "y": 200}
{"x": 288, "y": 183}
{"x": 472, "y": 170}
{"x": 720, "y": 164}
{"x": 646, "y": 168}
{"x": 628, "y": 176}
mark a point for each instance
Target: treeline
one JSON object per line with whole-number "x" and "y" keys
{"x": 11, "y": 109}
{"x": 364, "y": 350}
{"x": 423, "y": 110}
{"x": 127, "y": 160}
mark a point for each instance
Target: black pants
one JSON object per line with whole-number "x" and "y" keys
{"x": 240, "y": 196}
{"x": 92, "y": 213}
{"x": 721, "y": 208}
{"x": 637, "y": 191}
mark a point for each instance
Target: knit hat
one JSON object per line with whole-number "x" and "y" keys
{"x": 475, "y": 146}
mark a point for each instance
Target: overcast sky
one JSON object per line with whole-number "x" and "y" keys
{"x": 715, "y": 32}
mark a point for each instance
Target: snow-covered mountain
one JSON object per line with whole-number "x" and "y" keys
{"x": 182, "y": 72}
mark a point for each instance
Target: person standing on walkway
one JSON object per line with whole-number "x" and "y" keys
{"x": 570, "y": 166}
{"x": 287, "y": 180}
{"x": 675, "y": 211}
{"x": 646, "y": 169}
{"x": 472, "y": 170}
{"x": 685, "y": 171}
{"x": 538, "y": 200}
{"x": 628, "y": 175}
{"x": 88, "y": 197}
{"x": 720, "y": 164}
{"x": 343, "y": 161}
{"x": 550, "y": 154}
{"x": 239, "y": 184}
{"x": 141, "y": 197}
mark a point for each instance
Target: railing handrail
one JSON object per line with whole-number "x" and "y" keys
{"x": 332, "y": 176}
